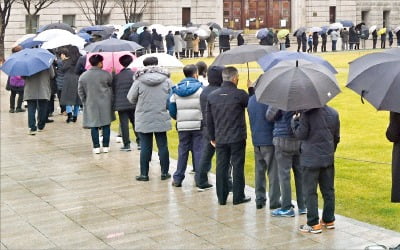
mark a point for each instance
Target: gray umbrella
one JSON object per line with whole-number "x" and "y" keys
{"x": 296, "y": 85}
{"x": 243, "y": 54}
{"x": 376, "y": 77}
{"x": 112, "y": 45}
{"x": 139, "y": 24}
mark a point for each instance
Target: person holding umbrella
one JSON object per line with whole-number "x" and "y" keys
{"x": 315, "y": 41}
{"x": 16, "y": 86}
{"x": 334, "y": 37}
{"x": 324, "y": 40}
{"x": 393, "y": 135}
{"x": 374, "y": 38}
{"x": 383, "y": 40}
{"x": 319, "y": 132}
{"x": 210, "y": 42}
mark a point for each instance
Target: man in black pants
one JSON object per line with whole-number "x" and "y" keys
{"x": 226, "y": 126}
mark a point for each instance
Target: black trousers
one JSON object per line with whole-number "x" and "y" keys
{"x": 233, "y": 153}
{"x": 124, "y": 117}
{"x": 19, "y": 100}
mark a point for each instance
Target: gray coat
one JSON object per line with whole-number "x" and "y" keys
{"x": 149, "y": 93}
{"x": 38, "y": 86}
{"x": 178, "y": 43}
{"x": 94, "y": 89}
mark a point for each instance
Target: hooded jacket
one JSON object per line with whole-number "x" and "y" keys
{"x": 184, "y": 104}
{"x": 149, "y": 94}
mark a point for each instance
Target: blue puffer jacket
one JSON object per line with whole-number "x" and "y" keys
{"x": 261, "y": 128}
{"x": 282, "y": 121}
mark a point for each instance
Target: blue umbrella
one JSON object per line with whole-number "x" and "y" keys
{"x": 30, "y": 43}
{"x": 324, "y": 30}
{"x": 28, "y": 62}
{"x": 270, "y": 60}
{"x": 262, "y": 33}
{"x": 93, "y": 28}
{"x": 347, "y": 23}
{"x": 85, "y": 36}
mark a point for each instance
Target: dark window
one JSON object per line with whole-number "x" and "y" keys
{"x": 386, "y": 18}
{"x": 185, "y": 16}
{"x": 332, "y": 14}
{"x": 69, "y": 19}
{"x": 364, "y": 16}
{"x": 31, "y": 24}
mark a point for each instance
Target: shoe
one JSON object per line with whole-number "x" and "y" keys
{"x": 12, "y": 111}
{"x": 126, "y": 148}
{"x": 138, "y": 147}
{"x": 205, "y": 187}
{"x": 49, "y": 121}
{"x": 50, "y": 115}
{"x": 316, "y": 229}
{"x": 106, "y": 149}
{"x": 142, "y": 178}
{"x": 244, "y": 200}
{"x": 96, "y": 151}
{"x": 328, "y": 225}
{"x": 260, "y": 206}
{"x": 74, "y": 118}
{"x": 118, "y": 139}
{"x": 176, "y": 184}
{"x": 40, "y": 129}
{"x": 303, "y": 211}
{"x": 165, "y": 176}
{"x": 222, "y": 203}
{"x": 69, "y": 118}
{"x": 31, "y": 132}
{"x": 17, "y": 110}
{"x": 283, "y": 213}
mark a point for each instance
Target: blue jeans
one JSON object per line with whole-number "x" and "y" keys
{"x": 41, "y": 107}
{"x": 106, "y": 136}
{"x": 146, "y": 144}
{"x": 188, "y": 141}
{"x": 74, "y": 110}
{"x": 170, "y": 51}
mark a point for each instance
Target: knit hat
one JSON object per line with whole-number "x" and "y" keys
{"x": 214, "y": 75}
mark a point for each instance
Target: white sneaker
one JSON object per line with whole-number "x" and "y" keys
{"x": 96, "y": 150}
{"x": 106, "y": 149}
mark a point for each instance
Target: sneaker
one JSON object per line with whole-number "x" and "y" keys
{"x": 96, "y": 151}
{"x": 303, "y": 211}
{"x": 283, "y": 213}
{"x": 126, "y": 148}
{"x": 106, "y": 149}
{"x": 165, "y": 176}
{"x": 176, "y": 184}
{"x": 12, "y": 111}
{"x": 316, "y": 229}
{"x": 40, "y": 129}
{"x": 205, "y": 187}
{"x": 328, "y": 225}
{"x": 17, "y": 110}
{"x": 31, "y": 132}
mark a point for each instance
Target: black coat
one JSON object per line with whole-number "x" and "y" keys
{"x": 224, "y": 42}
{"x": 145, "y": 39}
{"x": 226, "y": 121}
{"x": 319, "y": 132}
{"x": 121, "y": 85}
{"x": 315, "y": 38}
{"x": 169, "y": 40}
{"x": 69, "y": 92}
{"x": 393, "y": 135}
{"x": 352, "y": 35}
{"x": 240, "y": 40}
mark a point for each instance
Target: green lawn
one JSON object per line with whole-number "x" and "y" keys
{"x": 363, "y": 170}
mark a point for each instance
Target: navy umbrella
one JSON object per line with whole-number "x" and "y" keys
{"x": 28, "y": 62}
{"x": 376, "y": 77}
{"x": 61, "y": 26}
{"x": 113, "y": 45}
{"x": 270, "y": 60}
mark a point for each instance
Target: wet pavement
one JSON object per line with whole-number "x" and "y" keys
{"x": 56, "y": 194}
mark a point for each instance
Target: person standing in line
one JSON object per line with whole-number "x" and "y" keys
{"x": 122, "y": 83}
{"x": 169, "y": 40}
{"x": 214, "y": 77}
{"x": 383, "y": 40}
{"x": 346, "y": 35}
{"x": 202, "y": 72}
{"x": 298, "y": 42}
{"x": 324, "y": 38}
{"x": 189, "y": 44}
{"x": 315, "y": 38}
{"x": 178, "y": 41}
{"x": 224, "y": 43}
{"x": 261, "y": 132}
{"x": 37, "y": 93}
{"x": 196, "y": 41}
{"x": 59, "y": 80}
{"x": 145, "y": 40}
{"x": 202, "y": 47}
{"x": 310, "y": 44}
{"x": 184, "y": 107}
{"x": 319, "y": 132}
{"x": 210, "y": 42}
{"x": 94, "y": 89}
{"x": 240, "y": 39}
{"x": 393, "y": 135}
{"x": 398, "y": 38}
{"x": 149, "y": 94}
{"x": 287, "y": 154}
{"x": 390, "y": 34}
{"x": 374, "y": 39}
{"x": 226, "y": 126}
{"x": 304, "y": 41}
{"x": 334, "y": 37}
{"x": 15, "y": 84}
{"x": 134, "y": 36}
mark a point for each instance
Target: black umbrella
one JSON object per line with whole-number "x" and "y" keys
{"x": 358, "y": 26}
{"x": 376, "y": 77}
{"x": 214, "y": 25}
{"x": 226, "y": 32}
{"x": 296, "y": 85}
{"x": 61, "y": 26}
{"x": 243, "y": 54}
{"x": 113, "y": 45}
{"x": 299, "y": 31}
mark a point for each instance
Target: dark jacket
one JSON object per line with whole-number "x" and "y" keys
{"x": 319, "y": 132}
{"x": 69, "y": 92}
{"x": 224, "y": 42}
{"x": 393, "y": 135}
{"x": 374, "y": 35}
{"x": 261, "y": 128}
{"x": 145, "y": 39}
{"x": 134, "y": 37}
{"x": 169, "y": 39}
{"x": 352, "y": 35}
{"x": 121, "y": 85}
{"x": 240, "y": 40}
{"x": 315, "y": 38}
{"x": 202, "y": 44}
{"x": 282, "y": 120}
{"x": 80, "y": 65}
{"x": 226, "y": 114}
{"x": 324, "y": 37}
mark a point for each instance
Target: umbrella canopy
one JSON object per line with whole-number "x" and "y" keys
{"x": 22, "y": 39}
{"x": 112, "y": 45}
{"x": 202, "y": 33}
{"x": 61, "y": 26}
{"x": 140, "y": 24}
{"x": 214, "y": 25}
{"x": 396, "y": 29}
{"x": 364, "y": 32}
{"x": 47, "y": 35}
{"x": 336, "y": 26}
{"x": 161, "y": 29}
{"x": 89, "y": 29}
{"x": 26, "y": 41}
{"x": 283, "y": 33}
{"x": 111, "y": 60}
{"x": 382, "y": 31}
{"x": 372, "y": 28}
{"x": 164, "y": 60}
{"x": 315, "y": 29}
{"x": 358, "y": 26}
{"x": 28, "y": 62}
{"x": 324, "y": 29}
{"x": 296, "y": 85}
{"x": 347, "y": 23}
{"x": 299, "y": 31}
{"x": 270, "y": 60}
{"x": 261, "y": 33}
{"x": 376, "y": 77}
{"x": 59, "y": 41}
{"x": 84, "y": 36}
{"x": 226, "y": 32}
